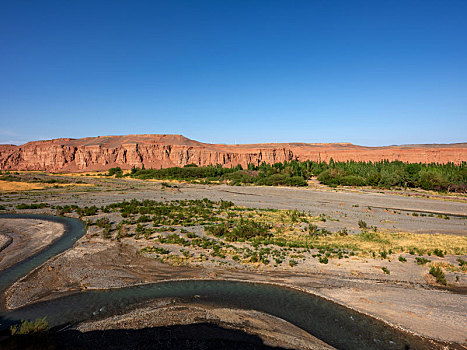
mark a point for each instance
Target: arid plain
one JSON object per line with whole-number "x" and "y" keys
{"x": 406, "y": 296}
{"x": 397, "y": 255}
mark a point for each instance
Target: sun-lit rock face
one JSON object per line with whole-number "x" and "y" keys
{"x": 156, "y": 151}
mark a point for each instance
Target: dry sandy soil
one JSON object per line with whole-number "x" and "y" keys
{"x": 408, "y": 297}
{"x": 407, "y": 302}
{"x": 27, "y": 237}
{"x": 271, "y": 330}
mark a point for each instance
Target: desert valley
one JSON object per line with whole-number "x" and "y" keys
{"x": 185, "y": 244}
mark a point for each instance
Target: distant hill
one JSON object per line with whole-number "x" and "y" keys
{"x": 156, "y": 151}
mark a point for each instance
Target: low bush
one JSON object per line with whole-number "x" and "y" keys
{"x": 362, "y": 224}
{"x": 421, "y": 261}
{"x": 32, "y": 206}
{"x": 292, "y": 263}
{"x": 439, "y": 274}
{"x": 40, "y": 325}
{"x": 323, "y": 259}
{"x": 438, "y": 252}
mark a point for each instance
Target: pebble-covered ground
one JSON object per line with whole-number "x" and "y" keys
{"x": 396, "y": 237}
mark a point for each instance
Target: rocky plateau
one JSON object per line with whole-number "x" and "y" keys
{"x": 162, "y": 151}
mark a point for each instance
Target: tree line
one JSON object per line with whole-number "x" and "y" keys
{"x": 447, "y": 177}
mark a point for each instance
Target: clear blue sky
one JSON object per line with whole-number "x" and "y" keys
{"x": 245, "y": 71}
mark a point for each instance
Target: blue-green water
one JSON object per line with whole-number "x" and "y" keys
{"x": 330, "y": 322}
{"x": 74, "y": 229}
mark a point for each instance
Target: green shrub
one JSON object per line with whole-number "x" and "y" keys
{"x": 439, "y": 274}
{"x": 115, "y": 171}
{"x": 323, "y": 259}
{"x": 40, "y": 325}
{"x": 32, "y": 206}
{"x": 385, "y": 270}
{"x": 422, "y": 261}
{"x": 362, "y": 224}
{"x": 402, "y": 259}
{"x": 438, "y": 252}
{"x": 154, "y": 249}
{"x": 87, "y": 211}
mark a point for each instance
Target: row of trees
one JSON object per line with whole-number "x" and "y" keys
{"x": 440, "y": 177}
{"x": 384, "y": 174}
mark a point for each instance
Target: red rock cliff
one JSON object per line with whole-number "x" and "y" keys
{"x": 155, "y": 151}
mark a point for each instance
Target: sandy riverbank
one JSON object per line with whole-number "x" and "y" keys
{"x": 28, "y": 237}
{"x": 408, "y": 298}
{"x": 271, "y": 330}
{"x": 413, "y": 306}
{"x": 5, "y": 241}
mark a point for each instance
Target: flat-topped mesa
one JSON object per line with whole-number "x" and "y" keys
{"x": 163, "y": 151}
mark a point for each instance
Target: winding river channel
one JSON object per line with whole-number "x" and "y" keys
{"x": 334, "y": 324}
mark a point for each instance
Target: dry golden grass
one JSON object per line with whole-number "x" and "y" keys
{"x": 286, "y": 226}
{"x": 379, "y": 241}
{"x": 13, "y": 186}
{"x": 16, "y": 186}
{"x": 449, "y": 267}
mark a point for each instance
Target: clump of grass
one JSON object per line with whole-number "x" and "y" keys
{"x": 40, "y": 325}
{"x": 323, "y": 259}
{"x": 292, "y": 263}
{"x": 422, "y": 261}
{"x": 438, "y": 252}
{"x": 439, "y": 274}
{"x": 32, "y": 206}
{"x": 158, "y": 250}
{"x": 362, "y": 224}
{"x": 402, "y": 259}
{"x": 385, "y": 270}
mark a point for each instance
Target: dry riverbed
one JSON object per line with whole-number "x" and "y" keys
{"x": 27, "y": 236}
{"x": 405, "y": 295}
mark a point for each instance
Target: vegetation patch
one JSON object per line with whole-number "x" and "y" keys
{"x": 439, "y": 274}
{"x": 40, "y": 325}
{"x": 384, "y": 174}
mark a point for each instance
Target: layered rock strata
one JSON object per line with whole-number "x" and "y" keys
{"x": 162, "y": 151}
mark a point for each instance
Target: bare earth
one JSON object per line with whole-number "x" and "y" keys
{"x": 28, "y": 237}
{"x": 272, "y": 330}
{"x": 5, "y": 241}
{"x": 408, "y": 298}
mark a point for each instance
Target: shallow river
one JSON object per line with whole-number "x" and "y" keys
{"x": 330, "y": 322}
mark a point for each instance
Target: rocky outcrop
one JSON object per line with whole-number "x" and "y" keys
{"x": 156, "y": 151}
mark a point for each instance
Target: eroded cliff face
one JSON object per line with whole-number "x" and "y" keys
{"x": 156, "y": 151}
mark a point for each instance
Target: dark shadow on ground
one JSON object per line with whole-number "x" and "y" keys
{"x": 194, "y": 336}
